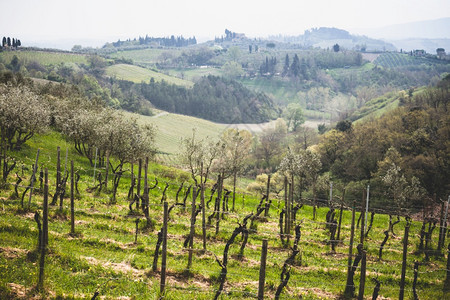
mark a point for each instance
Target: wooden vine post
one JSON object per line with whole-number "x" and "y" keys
{"x": 192, "y": 231}
{"x": 33, "y": 178}
{"x": 262, "y": 270}
{"x": 44, "y": 242}
{"x": 286, "y": 205}
{"x": 62, "y": 185}
{"x": 202, "y": 199}
{"x": 288, "y": 215}
{"x": 362, "y": 278}
{"x": 107, "y": 171}
{"x": 72, "y": 200}
{"x": 58, "y": 177}
{"x": 405, "y": 253}
{"x": 338, "y": 237}
{"x": 138, "y": 185}
{"x": 45, "y": 212}
{"x": 164, "y": 251}
{"x": 362, "y": 217}
{"x": 348, "y": 293}
{"x": 217, "y": 206}
{"x": 266, "y": 212}
{"x": 447, "y": 278}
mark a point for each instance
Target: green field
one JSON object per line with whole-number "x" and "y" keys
{"x": 194, "y": 73}
{"x": 171, "y": 128}
{"x": 138, "y": 74}
{"x": 44, "y": 57}
{"x": 148, "y": 57}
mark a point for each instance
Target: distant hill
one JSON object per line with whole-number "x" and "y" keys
{"x": 431, "y": 29}
{"x": 427, "y": 35}
{"x": 429, "y": 45}
{"x": 325, "y": 37}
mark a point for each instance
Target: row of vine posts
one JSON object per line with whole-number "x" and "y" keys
{"x": 286, "y": 221}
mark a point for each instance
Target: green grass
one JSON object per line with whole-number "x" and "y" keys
{"x": 43, "y": 57}
{"x": 376, "y": 107}
{"x": 171, "y": 128}
{"x": 277, "y": 87}
{"x": 138, "y": 74}
{"x": 148, "y": 57}
{"x": 103, "y": 256}
{"x": 193, "y": 74}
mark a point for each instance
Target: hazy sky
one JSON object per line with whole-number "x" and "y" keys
{"x": 113, "y": 19}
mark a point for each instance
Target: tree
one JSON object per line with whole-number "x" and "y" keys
{"x": 23, "y": 113}
{"x": 303, "y": 164}
{"x": 286, "y": 66}
{"x": 4, "y": 43}
{"x": 125, "y": 140}
{"x": 15, "y": 63}
{"x": 293, "y": 114}
{"x": 234, "y": 53}
{"x": 271, "y": 142}
{"x": 199, "y": 155}
{"x": 336, "y": 48}
{"x": 236, "y": 150}
{"x": 295, "y": 67}
{"x": 344, "y": 125}
{"x": 97, "y": 65}
{"x": 305, "y": 137}
{"x": 232, "y": 69}
{"x": 250, "y": 49}
{"x": 78, "y": 119}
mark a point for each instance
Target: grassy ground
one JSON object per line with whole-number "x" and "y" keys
{"x": 139, "y": 74}
{"x": 195, "y": 73}
{"x": 148, "y": 57}
{"x": 43, "y": 57}
{"x": 171, "y": 128}
{"x": 104, "y": 257}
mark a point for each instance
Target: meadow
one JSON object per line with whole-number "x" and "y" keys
{"x": 146, "y": 57}
{"x": 138, "y": 74}
{"x": 105, "y": 257}
{"x": 44, "y": 57}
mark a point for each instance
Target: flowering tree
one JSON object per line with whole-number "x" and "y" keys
{"x": 125, "y": 140}
{"x": 79, "y": 120}
{"x": 305, "y": 165}
{"x": 22, "y": 114}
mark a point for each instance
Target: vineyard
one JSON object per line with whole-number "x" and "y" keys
{"x": 160, "y": 235}
{"x": 44, "y": 57}
{"x": 392, "y": 60}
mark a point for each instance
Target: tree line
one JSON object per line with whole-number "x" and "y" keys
{"x": 7, "y": 42}
{"x": 171, "y": 41}
{"x": 213, "y": 98}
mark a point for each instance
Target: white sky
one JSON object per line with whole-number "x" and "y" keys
{"x": 109, "y": 20}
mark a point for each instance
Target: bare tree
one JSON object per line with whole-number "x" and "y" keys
{"x": 198, "y": 155}
{"x": 235, "y": 151}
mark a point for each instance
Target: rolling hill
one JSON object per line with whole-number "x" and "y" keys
{"x": 138, "y": 74}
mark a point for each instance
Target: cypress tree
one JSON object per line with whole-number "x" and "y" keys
{"x": 286, "y": 65}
